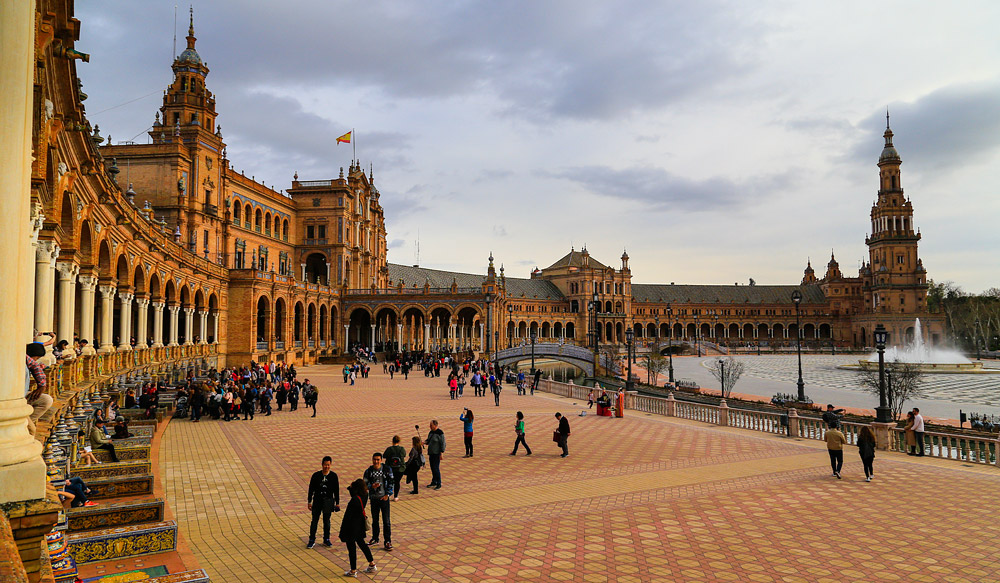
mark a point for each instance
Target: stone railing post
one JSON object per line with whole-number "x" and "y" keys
{"x": 793, "y": 423}
{"x": 671, "y": 405}
{"x": 723, "y": 413}
{"x": 883, "y": 434}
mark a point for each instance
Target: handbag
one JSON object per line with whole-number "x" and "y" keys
{"x": 556, "y": 436}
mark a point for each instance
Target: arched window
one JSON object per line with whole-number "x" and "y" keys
{"x": 236, "y": 212}
{"x": 258, "y": 217}
{"x": 267, "y": 224}
{"x": 284, "y": 231}
{"x": 247, "y": 214}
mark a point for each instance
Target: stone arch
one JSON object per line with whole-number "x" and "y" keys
{"x": 297, "y": 322}
{"x": 637, "y": 330}
{"x": 258, "y": 217}
{"x": 248, "y": 217}
{"x": 692, "y": 331}
{"x": 213, "y": 318}
{"x": 385, "y": 321}
{"x": 546, "y": 331}
{"x": 607, "y": 306}
{"x": 719, "y": 331}
{"x": 748, "y": 331}
{"x": 824, "y": 331}
{"x": 808, "y": 331}
{"x": 609, "y": 332}
{"x": 139, "y": 282}
{"x": 279, "y": 319}
{"x": 570, "y": 330}
{"x": 619, "y": 309}
{"x": 311, "y": 322}
{"x": 199, "y": 300}
{"x": 763, "y": 331}
{"x": 522, "y": 330}
{"x": 185, "y": 295}
{"x": 322, "y": 324}
{"x": 317, "y": 268}
{"x": 86, "y": 251}
{"x": 777, "y": 332}
{"x": 619, "y": 332}
{"x": 170, "y": 293}
{"x": 236, "y": 211}
{"x": 734, "y": 330}
{"x": 267, "y": 223}
{"x": 155, "y": 293}
{"x": 284, "y": 230}
{"x": 104, "y": 260}
{"x": 122, "y": 270}
{"x": 557, "y": 329}
{"x": 263, "y": 315}
{"x": 359, "y": 327}
{"x": 276, "y": 231}
{"x": 651, "y": 331}
{"x": 67, "y": 221}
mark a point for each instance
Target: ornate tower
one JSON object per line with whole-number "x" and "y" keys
{"x": 188, "y": 105}
{"x": 898, "y": 282}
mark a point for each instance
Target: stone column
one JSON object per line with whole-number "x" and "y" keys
{"x": 158, "y": 324}
{"x": 141, "y": 329}
{"x": 88, "y": 285}
{"x": 373, "y": 338}
{"x": 107, "y": 320}
{"x": 67, "y": 299}
{"x": 203, "y": 326}
{"x": 482, "y": 336}
{"x": 188, "y": 326}
{"x": 45, "y": 266}
{"x": 347, "y": 337}
{"x": 399, "y": 336}
{"x": 22, "y": 471}
{"x": 427, "y": 336}
{"x": 175, "y": 312}
{"x": 124, "y": 320}
{"x": 215, "y": 327}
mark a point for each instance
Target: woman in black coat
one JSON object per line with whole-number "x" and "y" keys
{"x": 354, "y": 528}
{"x": 866, "y": 448}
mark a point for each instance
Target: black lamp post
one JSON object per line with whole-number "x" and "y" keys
{"x": 510, "y": 325}
{"x": 697, "y": 332}
{"x": 670, "y": 348}
{"x": 597, "y": 308}
{"x": 757, "y": 332}
{"x": 489, "y": 320}
{"x": 722, "y": 376}
{"x": 882, "y": 411}
{"x": 592, "y": 332}
{"x": 797, "y": 299}
{"x": 496, "y": 345}
{"x": 533, "y": 335}
{"x": 629, "y": 335}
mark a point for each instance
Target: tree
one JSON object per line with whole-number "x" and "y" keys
{"x": 655, "y": 364}
{"x": 904, "y": 381}
{"x": 727, "y": 372}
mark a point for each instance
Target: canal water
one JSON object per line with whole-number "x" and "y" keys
{"x": 554, "y": 369}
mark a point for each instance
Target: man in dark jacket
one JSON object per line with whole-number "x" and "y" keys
{"x": 323, "y": 498}
{"x": 378, "y": 479}
{"x": 563, "y": 434}
{"x": 435, "y": 447}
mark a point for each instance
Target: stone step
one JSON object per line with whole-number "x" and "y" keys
{"x": 123, "y": 541}
{"x": 134, "y": 440}
{"x": 112, "y": 469}
{"x": 108, "y": 514}
{"x": 125, "y": 453}
{"x": 195, "y": 576}
{"x": 118, "y": 487}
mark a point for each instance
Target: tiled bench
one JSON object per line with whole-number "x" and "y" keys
{"x": 119, "y": 486}
{"x": 123, "y": 541}
{"x": 112, "y": 469}
{"x": 125, "y": 453}
{"x": 107, "y": 515}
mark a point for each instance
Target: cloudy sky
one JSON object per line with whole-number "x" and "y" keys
{"x": 716, "y": 141}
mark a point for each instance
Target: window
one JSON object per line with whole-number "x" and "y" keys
{"x": 321, "y": 232}
{"x": 900, "y": 259}
{"x": 310, "y": 232}
{"x": 206, "y": 239}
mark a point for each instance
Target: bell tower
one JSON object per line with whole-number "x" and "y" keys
{"x": 188, "y": 106}
{"x": 898, "y": 281}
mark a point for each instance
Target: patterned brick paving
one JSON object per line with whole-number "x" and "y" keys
{"x": 639, "y": 499}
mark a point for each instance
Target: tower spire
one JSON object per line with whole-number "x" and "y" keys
{"x": 190, "y": 37}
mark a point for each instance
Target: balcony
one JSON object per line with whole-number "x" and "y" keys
{"x": 211, "y": 209}
{"x": 262, "y": 347}
{"x": 298, "y": 344}
{"x": 312, "y": 343}
{"x": 279, "y": 344}
{"x": 316, "y": 241}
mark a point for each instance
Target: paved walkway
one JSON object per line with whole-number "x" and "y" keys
{"x": 639, "y": 499}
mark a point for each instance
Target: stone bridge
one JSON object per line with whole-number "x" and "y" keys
{"x": 568, "y": 353}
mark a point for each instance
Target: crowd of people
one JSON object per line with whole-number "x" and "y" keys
{"x": 246, "y": 391}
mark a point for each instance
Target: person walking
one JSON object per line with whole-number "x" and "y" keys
{"x": 496, "y": 392}
{"x": 918, "y": 430}
{"x": 519, "y": 430}
{"x": 866, "y": 449}
{"x": 835, "y": 441}
{"x": 564, "y": 434}
{"x": 354, "y": 526}
{"x": 911, "y": 438}
{"x": 323, "y": 498}
{"x": 413, "y": 464}
{"x": 466, "y": 418}
{"x": 435, "y": 449}
{"x": 590, "y": 399}
{"x": 832, "y": 417}
{"x": 379, "y": 482}
{"x": 395, "y": 457}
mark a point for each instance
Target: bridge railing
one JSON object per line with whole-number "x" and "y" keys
{"x": 965, "y": 448}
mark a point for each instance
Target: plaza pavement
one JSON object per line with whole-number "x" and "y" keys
{"x": 643, "y": 498}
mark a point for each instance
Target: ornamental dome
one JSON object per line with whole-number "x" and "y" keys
{"x": 189, "y": 57}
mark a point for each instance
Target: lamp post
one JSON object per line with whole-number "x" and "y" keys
{"x": 797, "y": 299}
{"x": 591, "y": 332}
{"x": 534, "y": 335}
{"x": 882, "y": 411}
{"x": 670, "y": 348}
{"x": 629, "y": 335}
{"x": 722, "y": 377}
{"x": 489, "y": 322}
{"x": 496, "y": 345}
{"x": 697, "y": 333}
{"x": 656, "y": 346}
{"x": 510, "y": 324}
{"x": 757, "y": 333}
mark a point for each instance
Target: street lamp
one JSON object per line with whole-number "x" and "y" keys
{"x": 629, "y": 335}
{"x": 697, "y": 332}
{"x": 722, "y": 377}
{"x": 797, "y": 299}
{"x": 670, "y": 348}
{"x": 757, "y": 333}
{"x": 496, "y": 345}
{"x": 591, "y": 333}
{"x": 489, "y": 322}
{"x": 510, "y": 324}
{"x": 882, "y": 411}
{"x": 534, "y": 335}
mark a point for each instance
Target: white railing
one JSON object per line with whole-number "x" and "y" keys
{"x": 966, "y": 448}
{"x": 952, "y": 446}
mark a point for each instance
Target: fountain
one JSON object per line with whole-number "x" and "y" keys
{"x": 930, "y": 359}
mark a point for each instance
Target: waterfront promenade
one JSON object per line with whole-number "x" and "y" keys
{"x": 643, "y": 498}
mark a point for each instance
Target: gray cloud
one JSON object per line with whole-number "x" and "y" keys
{"x": 663, "y": 189}
{"x": 947, "y": 128}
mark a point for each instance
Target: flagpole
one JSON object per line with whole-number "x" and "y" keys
{"x": 354, "y": 142}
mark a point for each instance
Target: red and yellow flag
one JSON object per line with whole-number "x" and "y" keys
{"x": 346, "y": 138}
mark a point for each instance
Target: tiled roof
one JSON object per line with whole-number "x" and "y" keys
{"x": 726, "y": 294}
{"x": 575, "y": 258}
{"x": 438, "y": 278}
{"x": 532, "y": 288}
